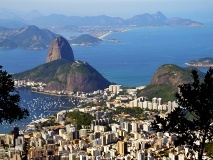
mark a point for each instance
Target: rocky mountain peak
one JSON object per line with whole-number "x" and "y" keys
{"x": 60, "y": 49}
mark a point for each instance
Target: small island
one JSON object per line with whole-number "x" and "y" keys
{"x": 85, "y": 40}
{"x": 201, "y": 62}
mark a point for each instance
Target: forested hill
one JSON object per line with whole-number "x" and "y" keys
{"x": 165, "y": 81}
{"x": 68, "y": 76}
{"x": 85, "y": 39}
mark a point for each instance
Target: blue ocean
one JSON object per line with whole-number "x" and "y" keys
{"x": 130, "y": 62}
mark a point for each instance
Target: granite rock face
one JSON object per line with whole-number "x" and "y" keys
{"x": 68, "y": 76}
{"x": 60, "y": 49}
{"x": 63, "y": 73}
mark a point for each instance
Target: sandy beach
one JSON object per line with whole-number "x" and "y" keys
{"x": 104, "y": 35}
{"x": 110, "y": 32}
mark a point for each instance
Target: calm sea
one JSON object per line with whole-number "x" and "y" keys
{"x": 130, "y": 62}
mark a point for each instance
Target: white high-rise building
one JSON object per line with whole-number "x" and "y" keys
{"x": 169, "y": 106}
{"x": 111, "y": 88}
{"x": 146, "y": 127}
{"x": 115, "y": 88}
{"x": 155, "y": 106}
{"x": 154, "y": 100}
{"x": 145, "y": 104}
{"x": 140, "y": 104}
{"x": 159, "y": 101}
{"x": 135, "y": 103}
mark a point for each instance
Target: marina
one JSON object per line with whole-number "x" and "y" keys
{"x": 39, "y": 106}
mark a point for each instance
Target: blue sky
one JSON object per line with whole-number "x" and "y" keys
{"x": 194, "y": 9}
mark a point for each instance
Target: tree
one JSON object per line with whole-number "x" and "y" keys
{"x": 192, "y": 120}
{"x": 10, "y": 111}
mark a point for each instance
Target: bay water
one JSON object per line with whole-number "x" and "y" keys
{"x": 130, "y": 62}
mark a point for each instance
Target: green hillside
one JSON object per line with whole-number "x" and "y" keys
{"x": 64, "y": 75}
{"x": 85, "y": 39}
{"x": 165, "y": 82}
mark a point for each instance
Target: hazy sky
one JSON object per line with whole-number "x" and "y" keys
{"x": 194, "y": 9}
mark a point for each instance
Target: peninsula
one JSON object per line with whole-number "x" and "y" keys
{"x": 201, "y": 62}
{"x": 62, "y": 72}
{"x": 29, "y": 37}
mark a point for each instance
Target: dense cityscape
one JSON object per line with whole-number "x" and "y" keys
{"x": 106, "y": 80}
{"x": 116, "y": 125}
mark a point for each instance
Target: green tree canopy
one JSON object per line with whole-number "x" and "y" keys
{"x": 10, "y": 110}
{"x": 196, "y": 99}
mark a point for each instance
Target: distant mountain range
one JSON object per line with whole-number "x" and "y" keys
{"x": 29, "y": 37}
{"x": 143, "y": 20}
{"x": 20, "y": 31}
{"x": 59, "y": 20}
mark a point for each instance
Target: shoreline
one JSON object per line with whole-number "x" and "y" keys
{"x": 110, "y": 32}
{"x": 105, "y": 35}
{"x": 199, "y": 65}
{"x": 58, "y": 95}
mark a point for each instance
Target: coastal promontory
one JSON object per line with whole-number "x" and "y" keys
{"x": 62, "y": 73}
{"x": 29, "y": 37}
{"x": 201, "y": 62}
{"x": 165, "y": 81}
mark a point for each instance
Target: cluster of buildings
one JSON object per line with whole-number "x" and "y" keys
{"x": 107, "y": 137}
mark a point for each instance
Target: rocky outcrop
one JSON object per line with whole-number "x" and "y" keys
{"x": 63, "y": 73}
{"x": 171, "y": 74}
{"x": 68, "y": 76}
{"x": 165, "y": 81}
{"x": 60, "y": 49}
{"x": 78, "y": 76}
